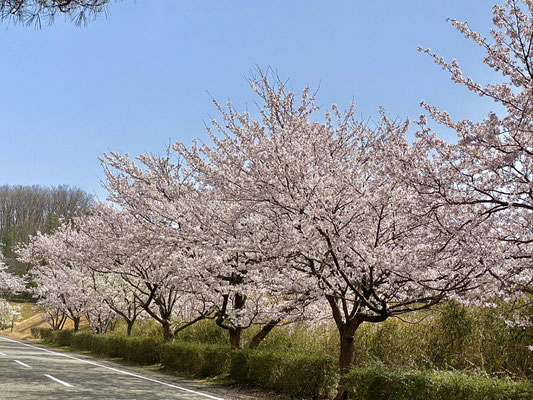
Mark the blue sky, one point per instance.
(139, 78)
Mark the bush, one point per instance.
(196, 359)
(139, 350)
(296, 374)
(62, 337)
(450, 337)
(303, 370)
(36, 333)
(103, 345)
(379, 383)
(43, 333)
(82, 341)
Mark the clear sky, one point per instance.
(139, 78)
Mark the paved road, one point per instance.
(29, 371)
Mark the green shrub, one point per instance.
(36, 333)
(62, 337)
(303, 370)
(296, 374)
(454, 338)
(451, 337)
(82, 341)
(139, 350)
(239, 366)
(103, 345)
(46, 334)
(474, 337)
(196, 359)
(380, 383)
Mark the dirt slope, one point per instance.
(22, 329)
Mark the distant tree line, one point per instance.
(26, 210)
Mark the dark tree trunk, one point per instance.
(347, 323)
(130, 327)
(168, 335)
(347, 352)
(57, 320)
(63, 321)
(265, 330)
(235, 338)
(235, 332)
(76, 324)
(346, 360)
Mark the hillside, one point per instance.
(31, 319)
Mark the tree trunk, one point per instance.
(76, 324)
(63, 321)
(235, 338)
(347, 323)
(258, 338)
(346, 359)
(130, 327)
(167, 332)
(347, 352)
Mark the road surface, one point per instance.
(29, 371)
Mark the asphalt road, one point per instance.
(29, 371)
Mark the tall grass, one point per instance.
(452, 337)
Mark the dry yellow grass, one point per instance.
(33, 319)
(22, 329)
(27, 310)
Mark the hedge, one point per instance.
(296, 374)
(303, 376)
(60, 337)
(196, 359)
(138, 350)
(42, 333)
(378, 383)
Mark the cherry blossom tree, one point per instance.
(234, 285)
(98, 312)
(120, 298)
(10, 284)
(90, 248)
(334, 211)
(128, 255)
(61, 287)
(55, 317)
(8, 314)
(487, 175)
